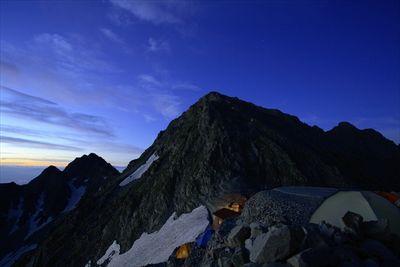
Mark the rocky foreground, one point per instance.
(239, 242)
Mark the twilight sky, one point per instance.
(107, 76)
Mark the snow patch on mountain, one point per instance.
(157, 247)
(14, 215)
(34, 223)
(76, 195)
(140, 171)
(111, 252)
(12, 257)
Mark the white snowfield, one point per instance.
(139, 171)
(14, 215)
(111, 252)
(34, 223)
(76, 195)
(157, 247)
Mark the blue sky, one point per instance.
(107, 76)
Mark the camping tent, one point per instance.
(203, 239)
(183, 251)
(369, 205)
(223, 214)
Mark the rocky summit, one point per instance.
(220, 146)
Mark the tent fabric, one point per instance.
(368, 204)
(203, 239)
(225, 213)
(392, 197)
(183, 252)
(307, 191)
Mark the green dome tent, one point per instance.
(369, 205)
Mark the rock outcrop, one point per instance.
(286, 245)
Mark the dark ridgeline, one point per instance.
(220, 145)
(29, 211)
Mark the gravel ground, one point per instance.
(268, 207)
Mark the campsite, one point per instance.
(345, 227)
(288, 226)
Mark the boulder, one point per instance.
(278, 244)
(394, 244)
(226, 227)
(257, 229)
(195, 257)
(376, 249)
(248, 243)
(239, 257)
(311, 257)
(331, 234)
(298, 259)
(224, 262)
(377, 229)
(271, 206)
(353, 222)
(346, 256)
(327, 230)
(238, 235)
(313, 238)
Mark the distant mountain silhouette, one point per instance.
(27, 210)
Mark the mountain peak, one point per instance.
(89, 166)
(213, 95)
(50, 170)
(86, 159)
(345, 124)
(344, 127)
(93, 155)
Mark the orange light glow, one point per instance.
(32, 162)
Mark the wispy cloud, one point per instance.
(156, 12)
(33, 143)
(112, 36)
(185, 86)
(30, 107)
(157, 45)
(63, 136)
(27, 138)
(162, 96)
(72, 55)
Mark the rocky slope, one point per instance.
(251, 243)
(28, 211)
(220, 145)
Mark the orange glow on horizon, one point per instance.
(24, 162)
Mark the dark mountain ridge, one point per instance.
(219, 145)
(26, 210)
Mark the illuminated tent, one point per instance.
(223, 214)
(183, 251)
(203, 239)
(369, 205)
(392, 197)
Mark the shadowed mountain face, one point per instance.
(220, 145)
(28, 211)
